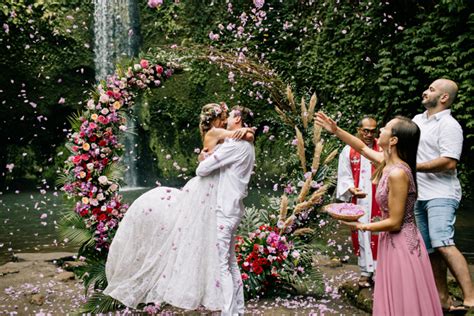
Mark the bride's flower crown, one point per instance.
(211, 112)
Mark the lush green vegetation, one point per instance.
(360, 57)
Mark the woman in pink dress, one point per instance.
(404, 283)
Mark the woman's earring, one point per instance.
(389, 149)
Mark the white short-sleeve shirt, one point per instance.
(441, 136)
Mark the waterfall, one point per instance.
(116, 35)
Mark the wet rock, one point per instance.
(65, 276)
(8, 268)
(325, 261)
(71, 265)
(50, 256)
(454, 289)
(37, 299)
(365, 299)
(335, 263)
(361, 298)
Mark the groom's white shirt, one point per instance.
(235, 160)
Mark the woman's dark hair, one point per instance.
(245, 113)
(408, 134)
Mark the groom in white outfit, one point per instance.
(235, 160)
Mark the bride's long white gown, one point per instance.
(165, 249)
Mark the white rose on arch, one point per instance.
(103, 180)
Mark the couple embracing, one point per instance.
(178, 246)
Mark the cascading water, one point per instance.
(116, 33)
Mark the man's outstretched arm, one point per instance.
(224, 155)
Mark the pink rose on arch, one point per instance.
(76, 159)
(144, 63)
(154, 3)
(117, 95)
(258, 3)
(90, 104)
(213, 36)
(159, 69)
(10, 166)
(104, 98)
(102, 119)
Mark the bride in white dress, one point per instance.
(165, 249)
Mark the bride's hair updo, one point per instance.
(209, 113)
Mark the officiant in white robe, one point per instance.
(354, 185)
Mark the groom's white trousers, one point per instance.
(231, 280)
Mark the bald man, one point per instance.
(439, 190)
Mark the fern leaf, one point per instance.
(100, 303)
(72, 227)
(75, 121)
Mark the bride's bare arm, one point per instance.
(244, 133)
(216, 135)
(330, 125)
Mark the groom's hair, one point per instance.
(245, 114)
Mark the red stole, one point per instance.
(354, 158)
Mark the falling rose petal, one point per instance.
(61, 100)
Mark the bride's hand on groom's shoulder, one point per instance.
(239, 133)
(203, 154)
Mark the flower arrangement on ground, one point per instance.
(263, 257)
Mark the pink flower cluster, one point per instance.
(96, 145)
(263, 256)
(345, 208)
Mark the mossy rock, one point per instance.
(454, 289)
(361, 298)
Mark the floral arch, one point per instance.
(93, 173)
